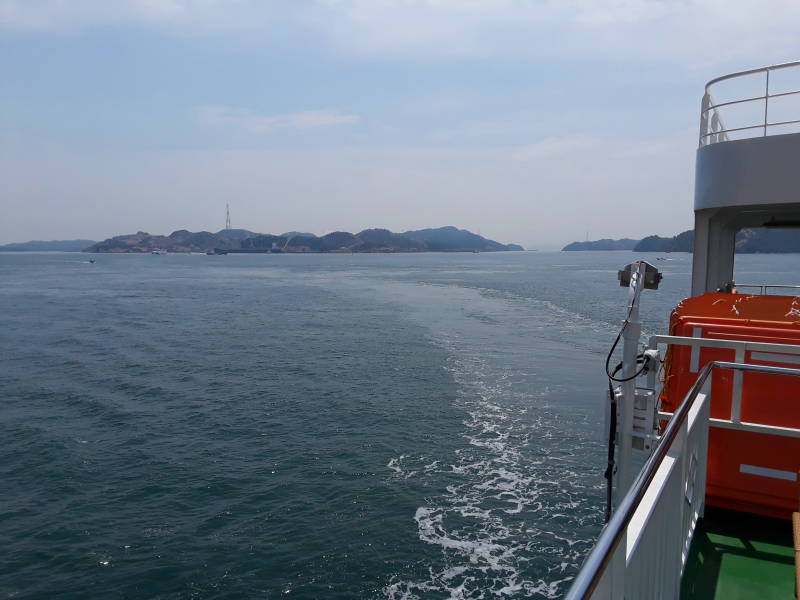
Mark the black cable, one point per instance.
(614, 347)
(612, 434)
(645, 363)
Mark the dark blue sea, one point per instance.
(309, 426)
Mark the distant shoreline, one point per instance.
(48, 246)
(748, 241)
(243, 241)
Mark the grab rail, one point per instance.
(764, 287)
(740, 349)
(712, 128)
(595, 565)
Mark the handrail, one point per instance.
(776, 67)
(753, 99)
(765, 286)
(744, 345)
(760, 126)
(595, 564)
(712, 129)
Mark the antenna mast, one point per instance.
(227, 216)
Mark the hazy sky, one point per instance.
(527, 121)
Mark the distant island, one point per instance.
(604, 244)
(748, 241)
(241, 241)
(52, 246)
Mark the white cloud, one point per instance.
(69, 14)
(252, 122)
(699, 32)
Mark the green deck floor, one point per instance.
(736, 556)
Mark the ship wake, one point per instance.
(505, 524)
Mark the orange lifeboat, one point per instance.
(749, 471)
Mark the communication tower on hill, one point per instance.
(227, 216)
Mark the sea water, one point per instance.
(310, 426)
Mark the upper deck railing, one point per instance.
(712, 125)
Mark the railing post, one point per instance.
(702, 458)
(736, 392)
(682, 453)
(766, 104)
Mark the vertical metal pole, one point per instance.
(702, 448)
(630, 339)
(681, 448)
(766, 104)
(736, 394)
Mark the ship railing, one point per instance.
(744, 353)
(643, 548)
(712, 127)
(764, 288)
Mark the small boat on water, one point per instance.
(159, 251)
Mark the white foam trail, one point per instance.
(397, 466)
(503, 525)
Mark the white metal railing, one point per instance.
(764, 288)
(712, 128)
(642, 550)
(787, 354)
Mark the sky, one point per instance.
(537, 122)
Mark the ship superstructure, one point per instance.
(713, 407)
